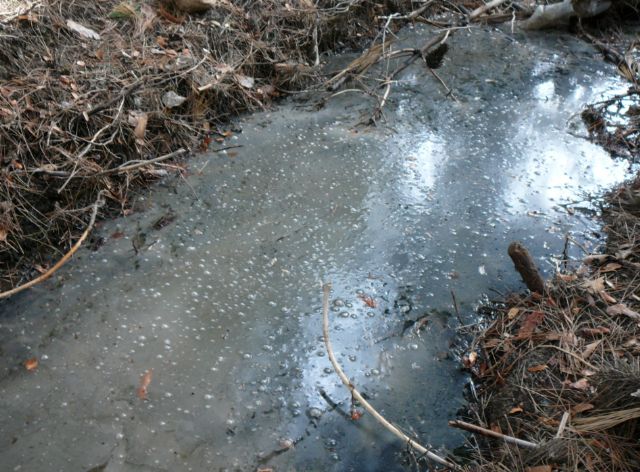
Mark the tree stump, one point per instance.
(526, 267)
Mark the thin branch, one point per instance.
(365, 404)
(494, 434)
(485, 8)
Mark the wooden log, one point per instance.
(526, 267)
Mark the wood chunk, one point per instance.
(526, 267)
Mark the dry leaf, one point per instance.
(610, 267)
(622, 309)
(568, 339)
(469, 360)
(567, 277)
(145, 380)
(172, 99)
(590, 349)
(245, 81)
(539, 468)
(31, 364)
(594, 331)
(82, 30)
(513, 312)
(537, 368)
(141, 127)
(515, 409)
(631, 342)
(369, 301)
(607, 298)
(581, 384)
(580, 407)
(595, 258)
(529, 324)
(594, 286)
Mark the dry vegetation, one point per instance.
(563, 370)
(90, 92)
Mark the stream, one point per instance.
(214, 282)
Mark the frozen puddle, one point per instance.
(224, 302)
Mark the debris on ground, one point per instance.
(561, 370)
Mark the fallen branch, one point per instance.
(99, 202)
(354, 392)
(494, 434)
(549, 16)
(135, 164)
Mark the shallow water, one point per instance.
(224, 302)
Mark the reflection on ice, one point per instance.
(223, 304)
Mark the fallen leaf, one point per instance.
(568, 339)
(515, 409)
(82, 30)
(631, 342)
(608, 298)
(31, 364)
(539, 468)
(245, 81)
(369, 301)
(145, 380)
(495, 427)
(610, 267)
(529, 324)
(595, 258)
(469, 360)
(513, 312)
(204, 144)
(172, 99)
(590, 349)
(594, 286)
(537, 368)
(141, 127)
(581, 384)
(117, 235)
(567, 277)
(594, 331)
(622, 309)
(580, 407)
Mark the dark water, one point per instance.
(224, 303)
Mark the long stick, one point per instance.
(345, 380)
(99, 202)
(487, 432)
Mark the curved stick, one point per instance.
(99, 202)
(354, 392)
